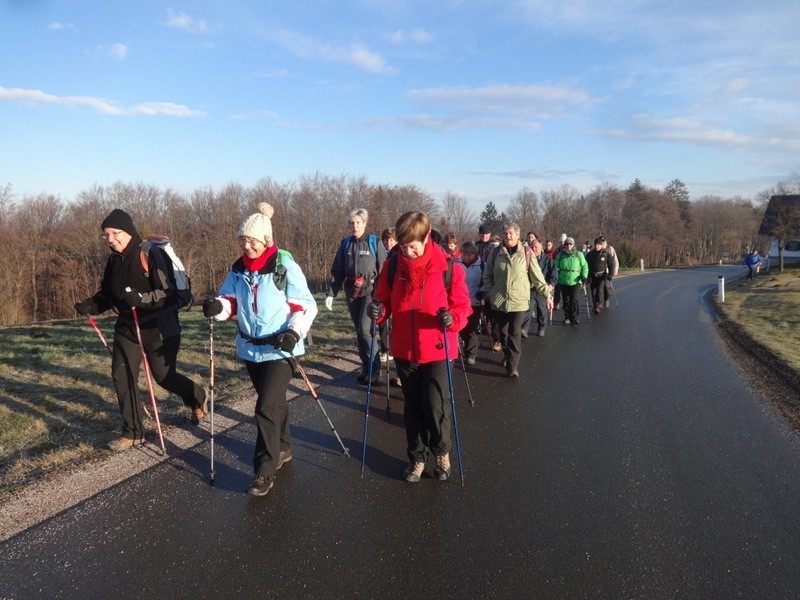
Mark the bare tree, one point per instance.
(456, 215)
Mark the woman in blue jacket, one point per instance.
(268, 293)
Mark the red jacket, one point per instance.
(416, 333)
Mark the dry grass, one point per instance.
(57, 403)
(768, 309)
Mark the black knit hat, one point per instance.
(119, 219)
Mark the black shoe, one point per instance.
(395, 381)
(575, 321)
(284, 457)
(566, 321)
(362, 376)
(260, 485)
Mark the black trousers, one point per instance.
(569, 297)
(426, 408)
(600, 291)
(469, 335)
(270, 380)
(363, 326)
(510, 325)
(126, 362)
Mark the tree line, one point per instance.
(52, 255)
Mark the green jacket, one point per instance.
(571, 266)
(508, 279)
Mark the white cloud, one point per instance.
(416, 36)
(353, 54)
(681, 130)
(184, 22)
(545, 101)
(56, 26)
(100, 105)
(115, 51)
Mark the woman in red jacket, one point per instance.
(414, 292)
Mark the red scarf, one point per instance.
(416, 268)
(256, 264)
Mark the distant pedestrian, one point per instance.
(423, 308)
(572, 273)
(613, 268)
(355, 269)
(268, 294)
(538, 304)
(144, 282)
(473, 268)
(451, 245)
(752, 261)
(597, 261)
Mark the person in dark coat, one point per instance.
(538, 301)
(133, 280)
(597, 259)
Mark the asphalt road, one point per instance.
(630, 460)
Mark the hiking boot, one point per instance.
(200, 411)
(513, 374)
(414, 472)
(575, 321)
(497, 346)
(284, 457)
(567, 321)
(395, 381)
(260, 485)
(540, 333)
(597, 309)
(471, 360)
(442, 470)
(122, 443)
(605, 304)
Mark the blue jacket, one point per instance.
(751, 260)
(263, 310)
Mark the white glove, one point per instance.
(329, 302)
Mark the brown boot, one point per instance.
(414, 472)
(122, 443)
(199, 412)
(442, 470)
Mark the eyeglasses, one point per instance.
(568, 244)
(110, 234)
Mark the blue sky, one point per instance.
(482, 98)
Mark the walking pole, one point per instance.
(149, 382)
(452, 399)
(611, 283)
(369, 393)
(93, 323)
(311, 389)
(388, 367)
(464, 368)
(211, 390)
(586, 297)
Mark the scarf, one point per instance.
(416, 269)
(256, 264)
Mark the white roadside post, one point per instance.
(721, 288)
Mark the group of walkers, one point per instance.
(422, 296)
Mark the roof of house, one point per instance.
(775, 204)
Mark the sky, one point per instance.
(482, 98)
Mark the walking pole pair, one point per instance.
(149, 380)
(94, 325)
(311, 389)
(452, 398)
(369, 394)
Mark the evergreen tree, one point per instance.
(491, 219)
(679, 193)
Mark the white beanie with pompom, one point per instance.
(258, 226)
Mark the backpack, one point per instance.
(175, 270)
(391, 264)
(372, 240)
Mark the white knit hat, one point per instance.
(258, 226)
(563, 237)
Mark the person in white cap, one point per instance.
(267, 292)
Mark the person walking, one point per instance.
(268, 294)
(355, 268)
(507, 280)
(423, 305)
(597, 261)
(572, 273)
(145, 282)
(538, 301)
(613, 268)
(752, 261)
(473, 269)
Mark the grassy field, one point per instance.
(768, 309)
(57, 402)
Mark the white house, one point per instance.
(791, 251)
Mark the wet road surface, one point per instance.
(630, 460)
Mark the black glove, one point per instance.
(375, 310)
(288, 340)
(609, 276)
(581, 280)
(86, 307)
(445, 317)
(480, 296)
(132, 297)
(212, 307)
